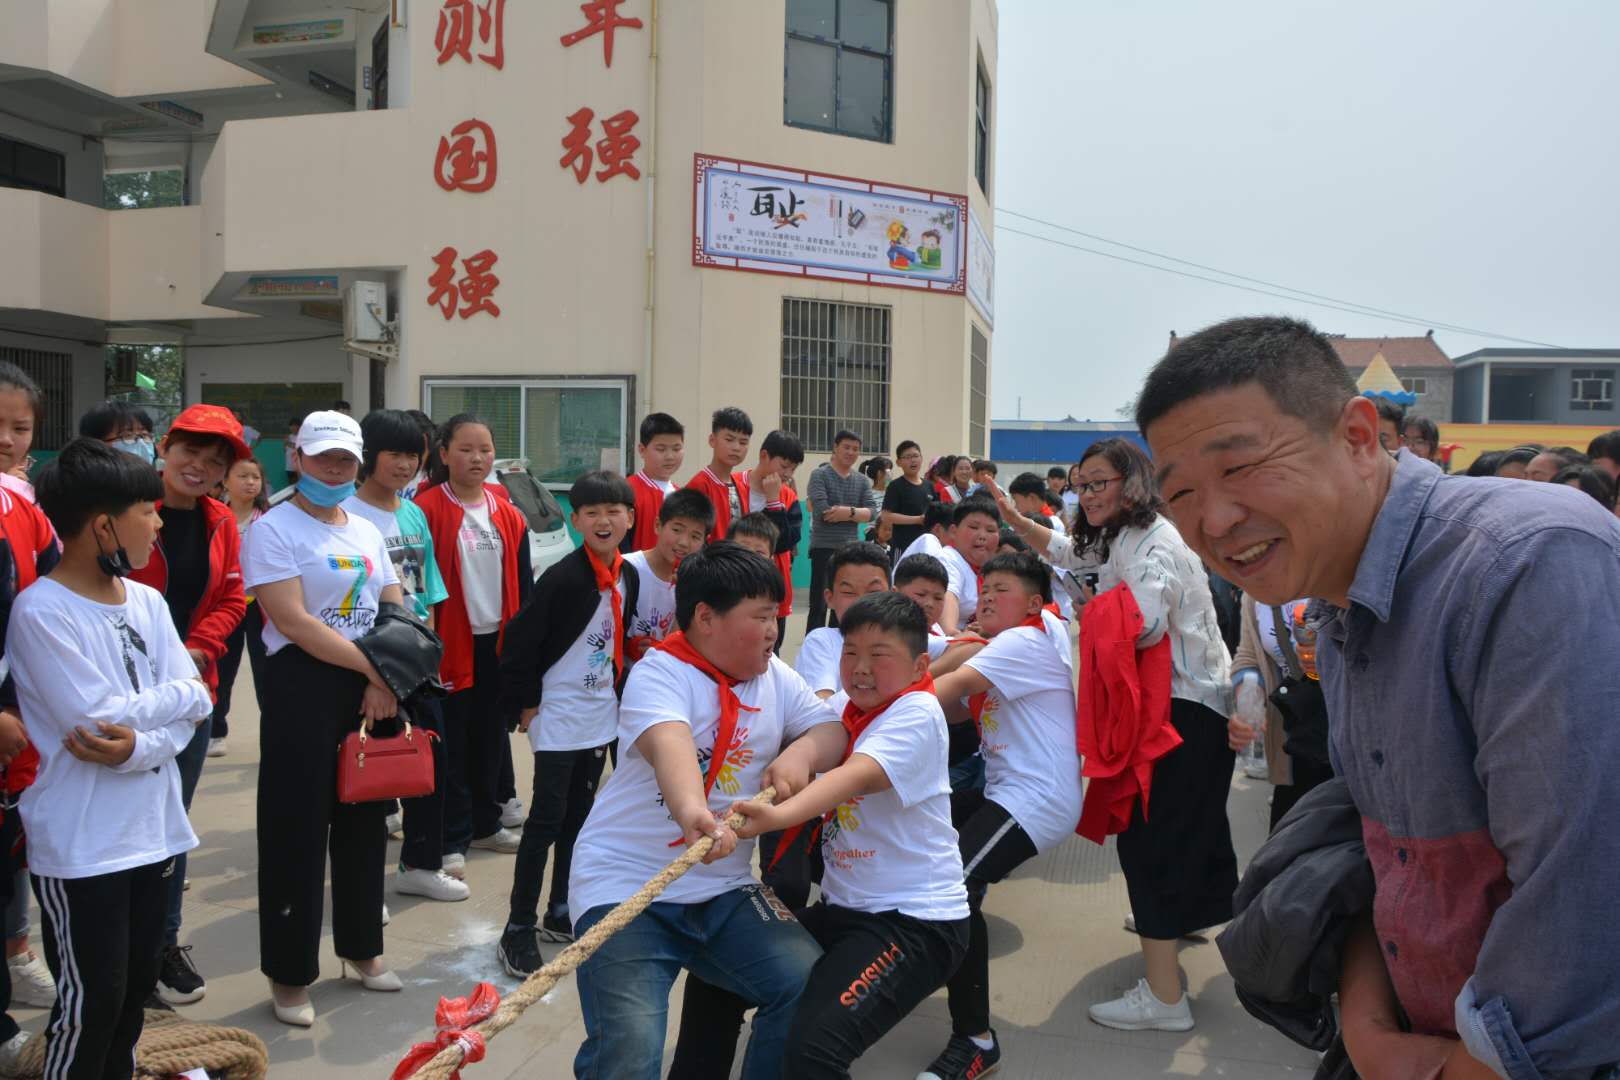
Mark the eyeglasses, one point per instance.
(1097, 487)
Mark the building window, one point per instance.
(1592, 390)
(840, 64)
(32, 168)
(143, 189)
(835, 372)
(563, 427)
(978, 393)
(981, 132)
(52, 372)
(1418, 386)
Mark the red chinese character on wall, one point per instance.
(616, 149)
(467, 158)
(475, 289)
(603, 18)
(461, 20)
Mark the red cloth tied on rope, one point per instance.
(451, 1017)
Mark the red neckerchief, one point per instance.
(607, 577)
(976, 701)
(730, 707)
(855, 724)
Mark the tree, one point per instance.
(144, 190)
(165, 367)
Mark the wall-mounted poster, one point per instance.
(776, 220)
(981, 271)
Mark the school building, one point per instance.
(558, 215)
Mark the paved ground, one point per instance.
(1056, 940)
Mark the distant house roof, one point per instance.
(1401, 353)
(1536, 356)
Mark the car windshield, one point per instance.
(538, 506)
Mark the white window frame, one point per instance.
(1579, 378)
(623, 384)
(1417, 385)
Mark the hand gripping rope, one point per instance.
(453, 1047)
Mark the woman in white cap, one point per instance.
(319, 575)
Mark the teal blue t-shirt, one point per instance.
(410, 546)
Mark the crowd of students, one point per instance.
(926, 741)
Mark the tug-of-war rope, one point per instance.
(457, 1045)
(171, 1044)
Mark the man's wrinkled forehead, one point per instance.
(1239, 440)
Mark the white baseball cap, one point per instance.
(323, 431)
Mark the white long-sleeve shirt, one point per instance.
(1171, 588)
(77, 662)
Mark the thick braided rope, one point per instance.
(445, 1063)
(170, 1044)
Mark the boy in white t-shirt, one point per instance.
(684, 520)
(1021, 687)
(703, 714)
(853, 571)
(110, 696)
(563, 664)
(974, 536)
(893, 917)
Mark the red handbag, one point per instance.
(372, 768)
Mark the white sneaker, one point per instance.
(433, 884)
(31, 982)
(216, 747)
(386, 916)
(394, 825)
(11, 1053)
(455, 866)
(512, 814)
(1139, 1010)
(504, 841)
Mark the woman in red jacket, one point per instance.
(196, 566)
(482, 546)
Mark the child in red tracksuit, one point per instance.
(481, 543)
(662, 447)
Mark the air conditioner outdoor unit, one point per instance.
(365, 312)
(121, 376)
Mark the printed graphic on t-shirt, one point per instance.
(839, 847)
(652, 625)
(348, 613)
(130, 642)
(737, 510)
(475, 537)
(406, 553)
(990, 723)
(599, 664)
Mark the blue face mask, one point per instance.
(136, 447)
(321, 493)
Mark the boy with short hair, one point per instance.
(684, 519)
(936, 527)
(893, 917)
(852, 571)
(111, 696)
(703, 715)
(1028, 493)
(1020, 693)
(729, 435)
(984, 476)
(973, 538)
(563, 663)
(768, 488)
(757, 533)
(924, 579)
(662, 446)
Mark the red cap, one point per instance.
(215, 420)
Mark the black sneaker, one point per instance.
(963, 1060)
(178, 980)
(519, 951)
(557, 928)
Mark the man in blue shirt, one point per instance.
(1467, 630)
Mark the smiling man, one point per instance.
(1478, 745)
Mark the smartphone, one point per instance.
(1091, 580)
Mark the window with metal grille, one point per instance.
(835, 372)
(1418, 386)
(981, 132)
(563, 427)
(32, 167)
(838, 75)
(1592, 390)
(978, 393)
(52, 372)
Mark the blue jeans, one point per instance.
(190, 763)
(743, 941)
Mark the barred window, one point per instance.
(978, 393)
(52, 372)
(835, 371)
(1592, 390)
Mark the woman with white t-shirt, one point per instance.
(1180, 869)
(319, 575)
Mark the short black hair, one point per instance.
(1026, 568)
(731, 418)
(723, 575)
(424, 424)
(758, 526)
(1606, 445)
(689, 505)
(783, 444)
(976, 504)
(599, 487)
(1426, 429)
(844, 435)
(937, 514)
(88, 478)
(1568, 457)
(858, 553)
(984, 465)
(1389, 411)
(889, 612)
(924, 567)
(1595, 483)
(106, 420)
(1053, 499)
(1291, 360)
(1519, 455)
(1027, 483)
(908, 444)
(15, 378)
(1485, 464)
(659, 423)
(1016, 542)
(340, 405)
(1057, 472)
(388, 430)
